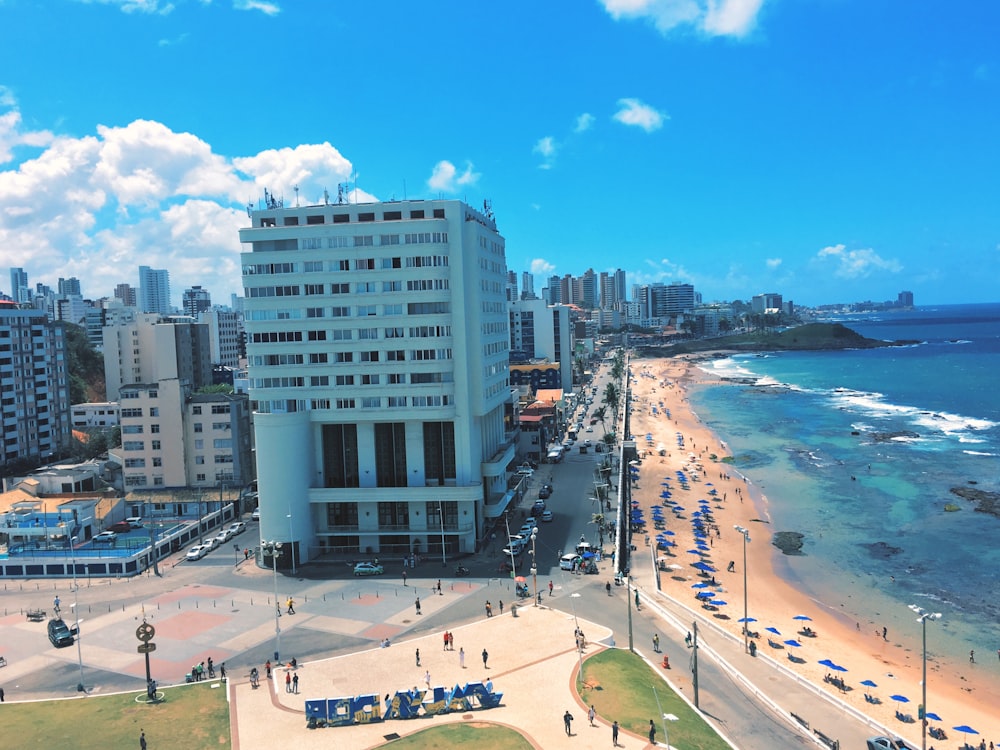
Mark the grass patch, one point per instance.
(195, 717)
(619, 685)
(480, 734)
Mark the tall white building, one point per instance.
(225, 330)
(377, 347)
(154, 290)
(541, 331)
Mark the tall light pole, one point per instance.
(923, 617)
(76, 614)
(291, 544)
(534, 563)
(274, 549)
(746, 623)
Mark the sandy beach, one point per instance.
(960, 693)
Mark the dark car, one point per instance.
(122, 527)
(59, 634)
(544, 492)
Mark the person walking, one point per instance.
(440, 592)
(551, 587)
(607, 587)
(972, 657)
(418, 657)
(652, 732)
(267, 669)
(451, 641)
(222, 671)
(142, 739)
(288, 682)
(637, 604)
(501, 606)
(404, 577)
(445, 640)
(485, 657)
(567, 722)
(254, 678)
(614, 734)
(427, 678)
(295, 684)
(290, 606)
(417, 603)
(461, 657)
(211, 668)
(590, 715)
(656, 643)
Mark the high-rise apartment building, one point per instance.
(34, 385)
(195, 300)
(150, 348)
(527, 286)
(154, 290)
(540, 331)
(126, 294)
(19, 289)
(377, 345)
(225, 336)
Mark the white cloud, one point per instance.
(636, 113)
(97, 206)
(710, 17)
(270, 9)
(773, 262)
(584, 122)
(547, 148)
(445, 178)
(856, 264)
(540, 266)
(135, 6)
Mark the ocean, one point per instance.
(858, 450)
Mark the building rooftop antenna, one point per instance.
(296, 189)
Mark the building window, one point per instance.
(390, 454)
(439, 451)
(340, 455)
(342, 515)
(196, 410)
(394, 516)
(197, 426)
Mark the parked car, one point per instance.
(512, 549)
(546, 515)
(567, 560)
(530, 523)
(210, 544)
(237, 528)
(59, 633)
(255, 516)
(544, 492)
(197, 552)
(134, 521)
(368, 569)
(525, 470)
(105, 537)
(538, 508)
(590, 429)
(122, 527)
(222, 537)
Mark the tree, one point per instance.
(84, 364)
(600, 413)
(611, 397)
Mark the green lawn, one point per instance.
(481, 735)
(193, 717)
(620, 686)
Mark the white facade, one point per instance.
(377, 347)
(224, 330)
(544, 332)
(154, 290)
(95, 414)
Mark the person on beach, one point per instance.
(567, 721)
(652, 732)
(427, 678)
(591, 714)
(418, 657)
(461, 657)
(614, 734)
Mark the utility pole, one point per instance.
(694, 663)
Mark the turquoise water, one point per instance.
(858, 451)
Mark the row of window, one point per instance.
(288, 406)
(348, 264)
(314, 219)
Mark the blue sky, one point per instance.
(828, 150)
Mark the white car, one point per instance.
(196, 552)
(589, 429)
(106, 537)
(210, 544)
(546, 515)
(567, 560)
(222, 537)
(255, 516)
(237, 528)
(134, 521)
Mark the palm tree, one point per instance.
(611, 397)
(600, 413)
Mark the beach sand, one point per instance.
(960, 693)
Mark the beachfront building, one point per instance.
(34, 385)
(541, 332)
(377, 341)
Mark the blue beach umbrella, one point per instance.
(668, 532)
(747, 619)
(793, 643)
(869, 683)
(773, 630)
(718, 603)
(899, 698)
(933, 716)
(703, 566)
(827, 663)
(802, 617)
(706, 595)
(965, 729)
(838, 668)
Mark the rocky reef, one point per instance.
(986, 502)
(789, 542)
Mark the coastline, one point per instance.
(960, 694)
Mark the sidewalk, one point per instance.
(532, 661)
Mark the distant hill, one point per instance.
(809, 337)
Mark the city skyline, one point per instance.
(738, 146)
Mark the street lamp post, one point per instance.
(76, 614)
(922, 618)
(746, 623)
(534, 563)
(274, 549)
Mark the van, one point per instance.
(566, 561)
(60, 634)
